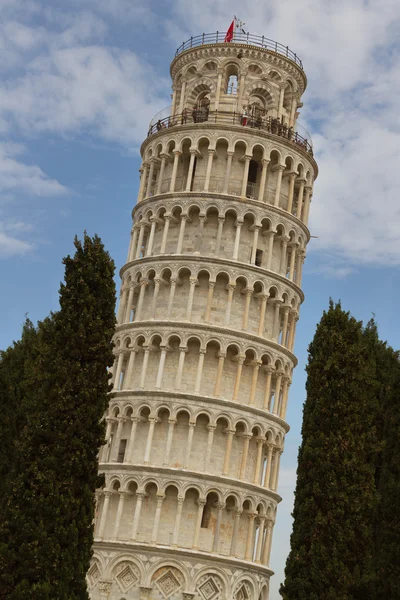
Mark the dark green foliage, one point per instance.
(332, 544)
(46, 535)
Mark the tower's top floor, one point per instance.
(249, 70)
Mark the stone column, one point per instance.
(299, 267)
(181, 234)
(119, 369)
(293, 246)
(282, 406)
(209, 167)
(181, 362)
(221, 360)
(201, 504)
(277, 392)
(270, 249)
(164, 158)
(221, 221)
(143, 284)
(190, 171)
(275, 470)
(285, 399)
(128, 375)
(140, 241)
(286, 310)
(105, 447)
(150, 178)
(261, 193)
(240, 361)
(161, 365)
(167, 218)
(231, 287)
(211, 429)
(199, 371)
(128, 308)
(246, 441)
(189, 443)
(117, 439)
(228, 171)
(276, 323)
(245, 321)
(193, 283)
(218, 90)
(300, 198)
(152, 424)
(283, 264)
(173, 107)
(237, 240)
(103, 518)
(236, 526)
(149, 250)
(144, 367)
(292, 178)
(247, 160)
(172, 423)
(220, 507)
(260, 539)
(178, 517)
(120, 509)
(269, 465)
(211, 286)
(122, 304)
(281, 96)
(281, 168)
(136, 516)
(227, 459)
(157, 283)
(257, 470)
(263, 307)
(132, 246)
(254, 380)
(293, 109)
(250, 536)
(154, 534)
(267, 544)
(307, 202)
(255, 243)
(143, 178)
(131, 443)
(267, 392)
(171, 296)
(177, 154)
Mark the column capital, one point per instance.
(230, 432)
(246, 436)
(193, 281)
(221, 505)
(172, 421)
(181, 500)
(230, 286)
(201, 502)
(177, 152)
(211, 427)
(183, 349)
(252, 516)
(265, 162)
(203, 351)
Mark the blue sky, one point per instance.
(80, 82)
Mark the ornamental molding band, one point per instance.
(204, 346)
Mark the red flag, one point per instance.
(229, 33)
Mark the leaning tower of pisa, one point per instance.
(210, 297)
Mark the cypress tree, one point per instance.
(48, 533)
(332, 542)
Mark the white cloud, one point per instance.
(16, 175)
(10, 245)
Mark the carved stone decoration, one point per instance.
(104, 588)
(210, 587)
(168, 584)
(93, 575)
(126, 578)
(243, 593)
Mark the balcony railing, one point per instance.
(216, 185)
(240, 38)
(268, 124)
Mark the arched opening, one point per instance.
(232, 80)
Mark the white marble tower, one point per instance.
(210, 297)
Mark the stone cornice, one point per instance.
(182, 553)
(194, 398)
(234, 333)
(255, 133)
(216, 261)
(185, 474)
(174, 196)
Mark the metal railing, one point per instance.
(240, 38)
(268, 124)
